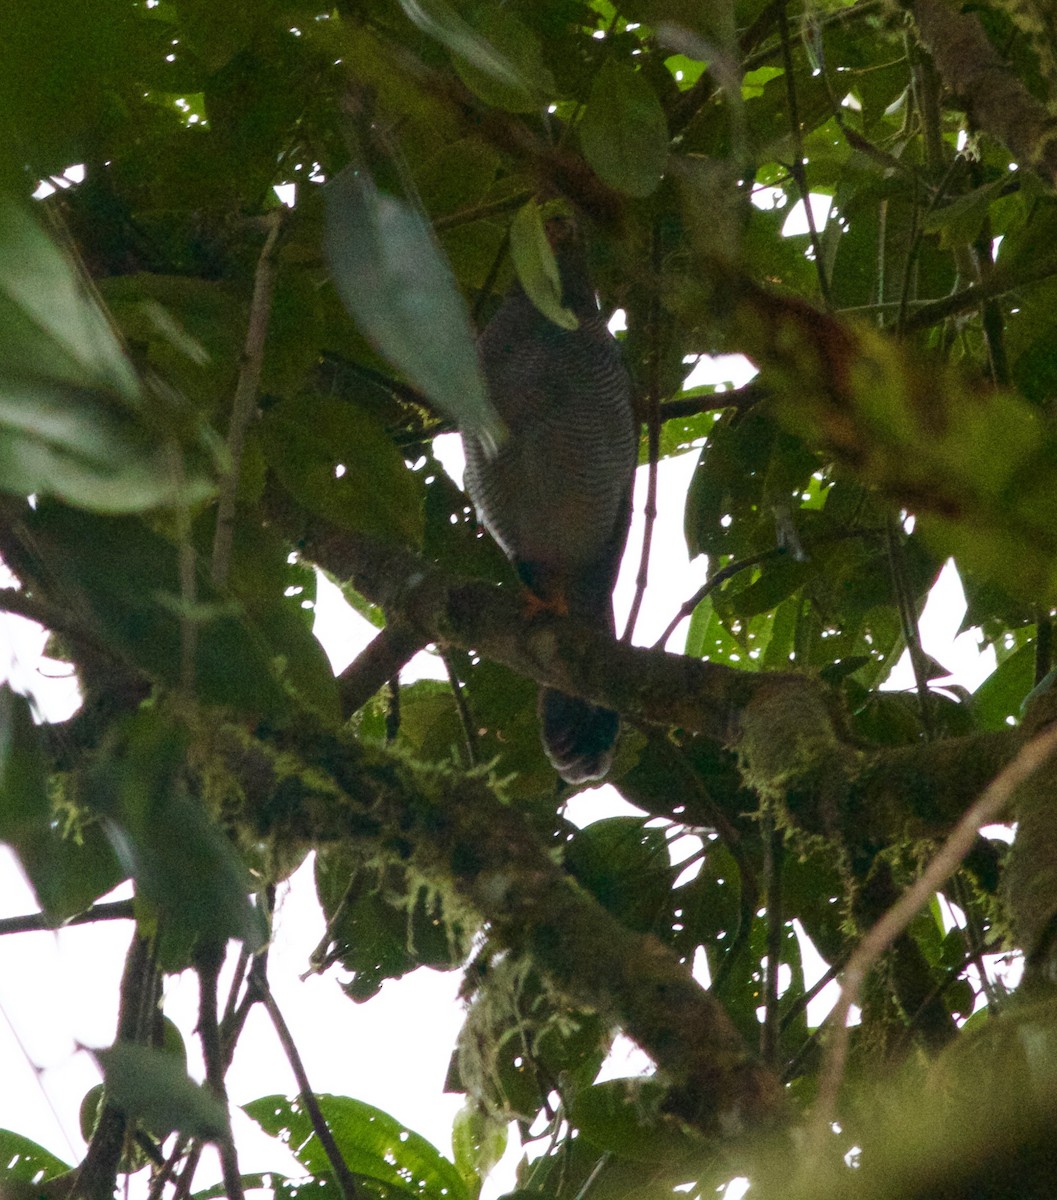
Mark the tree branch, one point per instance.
(989, 807)
(770, 717)
(376, 664)
(347, 1183)
(457, 832)
(245, 396)
(994, 98)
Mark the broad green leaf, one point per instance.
(69, 869)
(1002, 694)
(536, 266)
(627, 868)
(127, 577)
(271, 1181)
(372, 1143)
(185, 868)
(624, 132)
(23, 1160)
(24, 805)
(624, 1117)
(378, 928)
(393, 280)
(41, 295)
(478, 1142)
(495, 60)
(75, 421)
(510, 40)
(154, 1087)
(339, 462)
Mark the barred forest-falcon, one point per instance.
(557, 496)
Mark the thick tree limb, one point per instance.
(460, 834)
(995, 99)
(786, 728)
(376, 664)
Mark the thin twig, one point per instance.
(115, 910)
(653, 434)
(99, 1170)
(909, 620)
(187, 1174)
(245, 396)
(772, 849)
(1000, 282)
(946, 861)
(209, 959)
(346, 1181)
(797, 168)
(709, 586)
(693, 406)
(462, 707)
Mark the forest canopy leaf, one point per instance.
(536, 266)
(497, 61)
(75, 421)
(372, 1143)
(154, 1086)
(624, 132)
(392, 279)
(337, 459)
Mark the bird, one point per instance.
(556, 496)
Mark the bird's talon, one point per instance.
(537, 606)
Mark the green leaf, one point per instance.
(67, 869)
(1002, 693)
(183, 865)
(536, 266)
(497, 60)
(627, 868)
(74, 420)
(624, 1117)
(127, 577)
(527, 83)
(381, 923)
(624, 132)
(25, 1160)
(372, 1143)
(339, 462)
(24, 805)
(478, 1141)
(153, 1086)
(41, 293)
(395, 283)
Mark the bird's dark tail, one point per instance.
(579, 737)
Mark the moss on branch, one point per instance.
(456, 831)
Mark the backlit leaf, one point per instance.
(537, 267)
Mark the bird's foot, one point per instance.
(537, 606)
